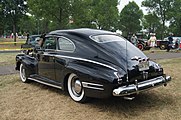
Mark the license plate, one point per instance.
(143, 65)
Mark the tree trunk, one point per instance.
(14, 33)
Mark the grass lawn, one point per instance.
(158, 51)
(10, 46)
(35, 101)
(11, 40)
(5, 43)
(7, 58)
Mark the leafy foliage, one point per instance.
(45, 16)
(175, 18)
(76, 13)
(13, 11)
(105, 14)
(130, 18)
(161, 8)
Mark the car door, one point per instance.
(46, 63)
(65, 47)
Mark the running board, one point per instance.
(45, 83)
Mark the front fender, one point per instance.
(29, 62)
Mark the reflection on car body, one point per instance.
(90, 63)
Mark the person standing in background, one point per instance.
(134, 40)
(152, 40)
(170, 42)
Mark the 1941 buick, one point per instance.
(90, 63)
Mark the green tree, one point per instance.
(1, 20)
(101, 14)
(151, 22)
(105, 13)
(28, 24)
(61, 14)
(81, 14)
(130, 18)
(175, 18)
(57, 11)
(13, 10)
(161, 8)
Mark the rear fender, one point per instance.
(92, 72)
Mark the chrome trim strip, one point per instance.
(91, 61)
(82, 59)
(142, 86)
(45, 83)
(92, 86)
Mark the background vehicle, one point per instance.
(162, 44)
(142, 41)
(143, 44)
(31, 42)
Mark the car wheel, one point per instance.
(140, 46)
(75, 88)
(162, 47)
(23, 74)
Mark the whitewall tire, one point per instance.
(75, 88)
(23, 74)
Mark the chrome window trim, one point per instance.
(69, 41)
(91, 37)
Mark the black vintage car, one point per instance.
(90, 63)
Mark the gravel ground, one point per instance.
(166, 55)
(8, 69)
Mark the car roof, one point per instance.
(80, 31)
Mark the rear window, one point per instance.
(106, 38)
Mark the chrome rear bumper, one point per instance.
(141, 86)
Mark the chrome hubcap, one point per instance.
(77, 87)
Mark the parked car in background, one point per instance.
(143, 44)
(162, 44)
(30, 43)
(91, 63)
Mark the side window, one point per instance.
(66, 44)
(49, 43)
